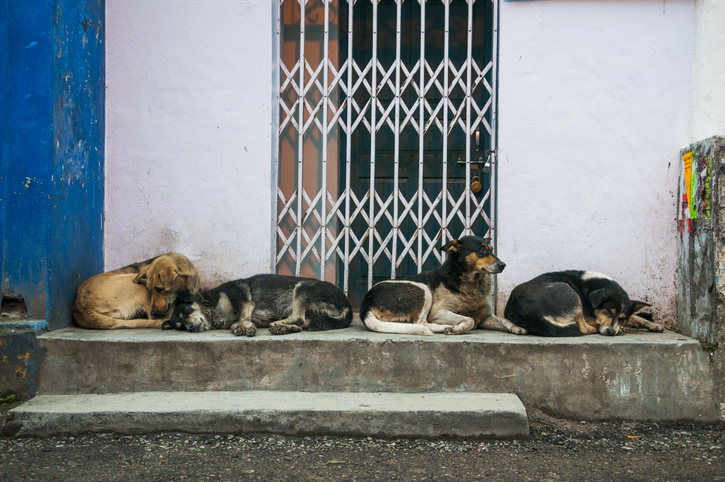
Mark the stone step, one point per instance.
(387, 415)
(637, 376)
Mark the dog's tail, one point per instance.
(324, 320)
(374, 324)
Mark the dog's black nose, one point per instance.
(190, 326)
(609, 331)
(501, 265)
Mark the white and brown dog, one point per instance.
(452, 299)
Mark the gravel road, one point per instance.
(557, 450)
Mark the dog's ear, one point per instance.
(193, 282)
(454, 246)
(141, 277)
(638, 305)
(167, 325)
(185, 297)
(596, 298)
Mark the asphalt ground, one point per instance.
(557, 450)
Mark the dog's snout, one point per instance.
(501, 265)
(190, 326)
(609, 331)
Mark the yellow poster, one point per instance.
(688, 180)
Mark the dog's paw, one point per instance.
(239, 329)
(283, 329)
(517, 330)
(655, 327)
(449, 331)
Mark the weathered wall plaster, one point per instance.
(594, 107)
(708, 75)
(188, 142)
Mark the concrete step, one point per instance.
(387, 415)
(637, 376)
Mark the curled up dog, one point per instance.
(452, 299)
(284, 304)
(140, 295)
(574, 303)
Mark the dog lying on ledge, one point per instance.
(574, 303)
(140, 295)
(284, 304)
(452, 299)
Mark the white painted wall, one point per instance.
(188, 133)
(594, 106)
(708, 76)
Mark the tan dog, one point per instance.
(140, 295)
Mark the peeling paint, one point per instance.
(619, 388)
(587, 368)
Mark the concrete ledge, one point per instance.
(19, 357)
(638, 376)
(388, 415)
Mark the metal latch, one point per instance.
(487, 165)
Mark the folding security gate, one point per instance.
(395, 95)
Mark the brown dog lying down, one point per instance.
(140, 295)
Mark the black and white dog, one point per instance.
(573, 303)
(452, 299)
(284, 304)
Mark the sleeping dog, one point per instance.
(573, 303)
(284, 304)
(452, 299)
(139, 295)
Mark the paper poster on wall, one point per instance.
(689, 178)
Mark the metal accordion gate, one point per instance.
(386, 135)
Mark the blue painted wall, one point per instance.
(52, 108)
(78, 96)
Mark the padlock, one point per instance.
(476, 185)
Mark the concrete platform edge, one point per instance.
(463, 415)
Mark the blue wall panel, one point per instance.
(52, 95)
(76, 229)
(28, 180)
(3, 118)
(53, 134)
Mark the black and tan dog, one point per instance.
(573, 303)
(139, 295)
(284, 304)
(452, 299)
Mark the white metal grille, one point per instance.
(347, 108)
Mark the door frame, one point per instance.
(312, 230)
